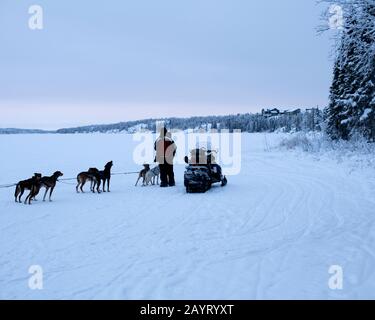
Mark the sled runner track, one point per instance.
(271, 233)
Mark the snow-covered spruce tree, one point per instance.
(366, 94)
(352, 97)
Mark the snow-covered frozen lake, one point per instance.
(272, 233)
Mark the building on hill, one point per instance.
(270, 112)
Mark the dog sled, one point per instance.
(202, 171)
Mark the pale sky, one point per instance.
(117, 60)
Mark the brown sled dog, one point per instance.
(49, 183)
(26, 185)
(91, 175)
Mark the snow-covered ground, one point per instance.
(272, 233)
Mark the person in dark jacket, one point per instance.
(165, 152)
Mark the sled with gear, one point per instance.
(202, 171)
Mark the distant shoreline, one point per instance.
(268, 120)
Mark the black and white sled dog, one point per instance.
(152, 175)
(142, 174)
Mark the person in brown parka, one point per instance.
(165, 152)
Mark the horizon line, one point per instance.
(152, 118)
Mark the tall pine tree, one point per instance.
(352, 97)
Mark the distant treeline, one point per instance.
(310, 120)
(23, 131)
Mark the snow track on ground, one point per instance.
(273, 232)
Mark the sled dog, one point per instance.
(142, 174)
(26, 185)
(152, 175)
(91, 175)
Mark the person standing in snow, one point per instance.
(165, 149)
